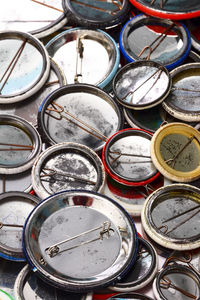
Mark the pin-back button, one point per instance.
(175, 151)
(142, 84)
(67, 166)
(83, 225)
(20, 144)
(183, 99)
(14, 209)
(126, 157)
(176, 10)
(193, 27)
(96, 14)
(79, 113)
(130, 296)
(28, 109)
(143, 270)
(148, 38)
(25, 66)
(176, 281)
(86, 56)
(10, 182)
(40, 18)
(170, 216)
(30, 287)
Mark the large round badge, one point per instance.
(80, 240)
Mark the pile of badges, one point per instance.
(100, 149)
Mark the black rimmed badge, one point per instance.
(80, 240)
(78, 50)
(14, 209)
(28, 286)
(130, 296)
(40, 18)
(25, 66)
(184, 97)
(176, 10)
(170, 216)
(79, 113)
(175, 151)
(67, 166)
(98, 13)
(20, 144)
(28, 109)
(148, 38)
(142, 84)
(142, 272)
(126, 157)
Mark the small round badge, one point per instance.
(148, 38)
(25, 66)
(67, 166)
(170, 216)
(141, 85)
(80, 240)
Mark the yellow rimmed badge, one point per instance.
(175, 152)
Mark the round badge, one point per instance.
(80, 240)
(67, 166)
(126, 157)
(10, 182)
(14, 209)
(193, 27)
(28, 109)
(20, 144)
(96, 14)
(78, 50)
(175, 151)
(176, 10)
(177, 281)
(148, 38)
(141, 85)
(36, 17)
(25, 66)
(143, 270)
(184, 97)
(170, 216)
(129, 296)
(30, 287)
(79, 113)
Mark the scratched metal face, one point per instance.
(141, 36)
(14, 135)
(185, 227)
(28, 110)
(22, 182)
(13, 210)
(132, 168)
(92, 258)
(188, 160)
(185, 94)
(29, 16)
(183, 281)
(74, 171)
(142, 85)
(27, 71)
(98, 60)
(89, 108)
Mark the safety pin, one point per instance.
(161, 37)
(132, 92)
(79, 53)
(127, 154)
(21, 147)
(181, 214)
(10, 225)
(112, 12)
(59, 110)
(105, 229)
(51, 83)
(162, 2)
(12, 64)
(184, 90)
(166, 283)
(49, 6)
(172, 160)
(54, 172)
